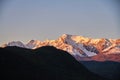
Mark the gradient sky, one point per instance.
(23, 20)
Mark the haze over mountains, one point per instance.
(82, 48)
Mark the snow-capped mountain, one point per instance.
(78, 46)
(14, 43)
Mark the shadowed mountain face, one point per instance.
(108, 69)
(45, 63)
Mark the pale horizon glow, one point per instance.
(24, 20)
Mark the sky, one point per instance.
(24, 20)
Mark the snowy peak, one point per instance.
(14, 43)
(32, 43)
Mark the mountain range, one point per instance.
(81, 48)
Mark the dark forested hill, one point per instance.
(108, 69)
(45, 63)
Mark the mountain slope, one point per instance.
(46, 63)
(108, 69)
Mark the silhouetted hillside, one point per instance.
(45, 63)
(108, 69)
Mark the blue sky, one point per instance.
(23, 20)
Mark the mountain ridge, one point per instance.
(82, 48)
(45, 63)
